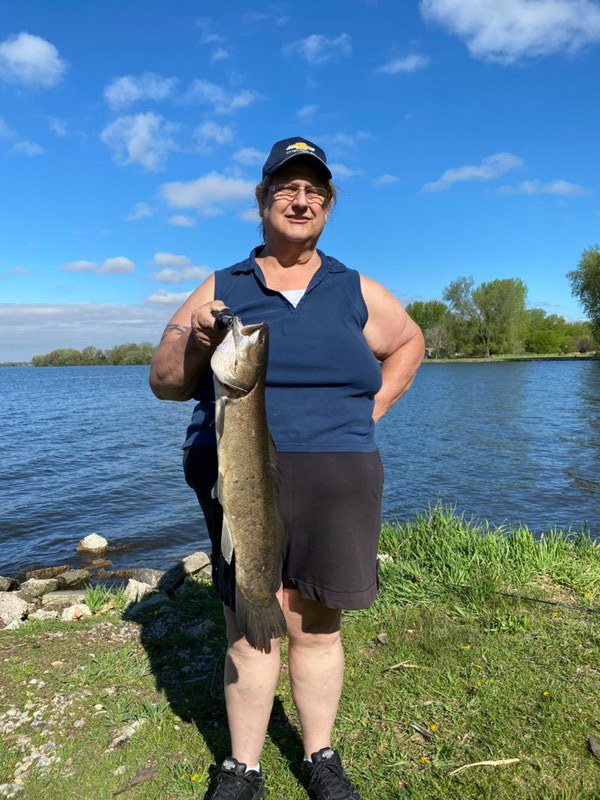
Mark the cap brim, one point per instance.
(313, 156)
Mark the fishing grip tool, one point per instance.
(223, 319)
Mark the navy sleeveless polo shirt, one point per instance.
(321, 376)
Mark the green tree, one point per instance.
(585, 285)
(491, 316)
(433, 319)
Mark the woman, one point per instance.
(342, 352)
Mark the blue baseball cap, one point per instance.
(295, 146)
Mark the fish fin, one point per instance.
(214, 492)
(259, 624)
(226, 540)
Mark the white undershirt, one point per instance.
(293, 295)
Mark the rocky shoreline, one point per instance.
(59, 592)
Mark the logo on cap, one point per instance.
(291, 148)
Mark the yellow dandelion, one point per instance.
(479, 683)
(195, 777)
(424, 760)
(477, 666)
(587, 594)
(555, 613)
(547, 694)
(464, 647)
(491, 680)
(433, 727)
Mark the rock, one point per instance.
(121, 574)
(8, 584)
(384, 558)
(192, 564)
(136, 591)
(100, 563)
(35, 587)
(92, 544)
(151, 577)
(10, 790)
(57, 601)
(195, 562)
(74, 579)
(12, 609)
(45, 573)
(76, 612)
(201, 630)
(42, 614)
(125, 735)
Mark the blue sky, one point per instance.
(463, 136)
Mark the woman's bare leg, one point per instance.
(250, 680)
(316, 665)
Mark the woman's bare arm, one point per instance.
(395, 339)
(187, 344)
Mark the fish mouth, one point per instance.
(230, 390)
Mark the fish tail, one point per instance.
(259, 624)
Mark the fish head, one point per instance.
(240, 361)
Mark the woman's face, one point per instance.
(295, 219)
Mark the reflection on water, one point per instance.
(513, 443)
(90, 450)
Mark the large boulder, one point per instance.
(8, 584)
(151, 577)
(57, 601)
(45, 573)
(12, 610)
(92, 544)
(76, 612)
(74, 579)
(136, 591)
(33, 588)
(191, 565)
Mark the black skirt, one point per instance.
(331, 509)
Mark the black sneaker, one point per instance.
(232, 782)
(326, 779)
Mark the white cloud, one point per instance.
(222, 102)
(307, 113)
(80, 266)
(15, 271)
(220, 54)
(140, 211)
(28, 148)
(116, 266)
(119, 265)
(386, 180)
(176, 269)
(30, 61)
(342, 171)
(142, 138)
(250, 215)
(169, 275)
(508, 30)
(210, 132)
(491, 167)
(410, 63)
(204, 192)
(164, 298)
(556, 187)
(5, 131)
(249, 156)
(30, 328)
(206, 34)
(57, 126)
(181, 221)
(129, 89)
(163, 259)
(319, 49)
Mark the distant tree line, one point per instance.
(491, 319)
(91, 356)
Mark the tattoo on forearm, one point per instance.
(180, 329)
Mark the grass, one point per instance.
(491, 649)
(515, 357)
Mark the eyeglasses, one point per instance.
(288, 191)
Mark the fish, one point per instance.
(246, 486)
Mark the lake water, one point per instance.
(90, 450)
